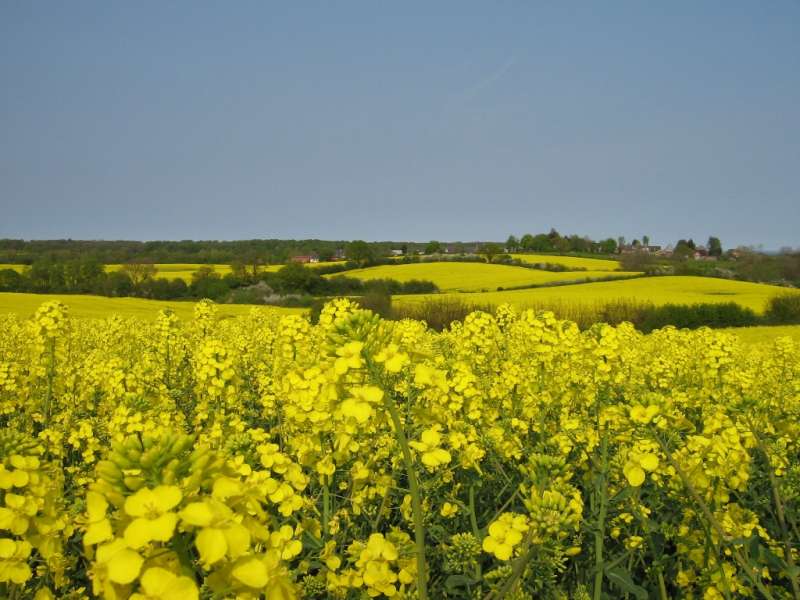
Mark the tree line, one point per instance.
(553, 241)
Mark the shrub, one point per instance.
(439, 314)
(377, 301)
(646, 316)
(692, 316)
(783, 309)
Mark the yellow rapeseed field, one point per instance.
(101, 307)
(17, 268)
(511, 456)
(182, 270)
(179, 270)
(764, 334)
(474, 276)
(658, 290)
(186, 270)
(571, 262)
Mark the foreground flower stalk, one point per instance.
(416, 504)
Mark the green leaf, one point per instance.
(626, 493)
(754, 547)
(773, 560)
(620, 578)
(453, 582)
(658, 544)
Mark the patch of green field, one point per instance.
(658, 290)
(765, 334)
(571, 262)
(474, 277)
(24, 305)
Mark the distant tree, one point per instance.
(207, 283)
(72, 275)
(561, 244)
(293, 278)
(683, 249)
(433, 247)
(239, 269)
(620, 242)
(579, 244)
(117, 283)
(11, 281)
(359, 251)
(326, 255)
(512, 243)
(714, 246)
(542, 243)
(490, 250)
(255, 261)
(636, 261)
(404, 249)
(526, 242)
(139, 272)
(46, 275)
(204, 272)
(608, 246)
(82, 274)
(645, 240)
(166, 289)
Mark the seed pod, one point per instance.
(132, 444)
(149, 457)
(119, 459)
(109, 471)
(134, 483)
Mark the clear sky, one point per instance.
(401, 120)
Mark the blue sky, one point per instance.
(406, 120)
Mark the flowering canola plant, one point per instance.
(510, 456)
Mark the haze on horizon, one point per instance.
(413, 121)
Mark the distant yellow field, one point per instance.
(474, 277)
(17, 268)
(766, 334)
(571, 262)
(183, 270)
(178, 271)
(24, 305)
(658, 290)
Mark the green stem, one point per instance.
(516, 572)
(380, 512)
(416, 504)
(601, 521)
(326, 501)
(475, 531)
(662, 587)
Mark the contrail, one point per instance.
(487, 81)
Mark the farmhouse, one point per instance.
(631, 248)
(308, 258)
